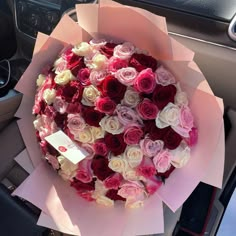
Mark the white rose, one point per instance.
(111, 124)
(164, 77)
(38, 123)
(100, 189)
(134, 155)
(181, 98)
(105, 201)
(64, 77)
(41, 79)
(97, 132)
(68, 169)
(181, 155)
(59, 65)
(84, 136)
(118, 164)
(130, 174)
(82, 49)
(169, 116)
(131, 98)
(130, 203)
(90, 94)
(49, 96)
(99, 62)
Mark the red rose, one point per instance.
(146, 168)
(153, 132)
(113, 195)
(112, 88)
(172, 139)
(141, 62)
(71, 92)
(83, 76)
(113, 181)
(73, 108)
(115, 143)
(108, 49)
(147, 109)
(152, 184)
(91, 116)
(74, 62)
(83, 187)
(60, 120)
(145, 81)
(167, 173)
(100, 148)
(162, 95)
(50, 112)
(100, 167)
(133, 135)
(105, 105)
(42, 106)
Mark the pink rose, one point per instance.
(131, 189)
(193, 137)
(127, 116)
(162, 161)
(164, 77)
(145, 81)
(83, 76)
(105, 105)
(147, 109)
(100, 148)
(84, 171)
(88, 148)
(126, 75)
(114, 64)
(124, 51)
(146, 168)
(96, 77)
(150, 148)
(60, 105)
(75, 123)
(132, 135)
(86, 195)
(113, 181)
(185, 122)
(53, 161)
(152, 184)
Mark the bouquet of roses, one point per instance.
(122, 106)
(118, 119)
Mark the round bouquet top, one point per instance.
(125, 109)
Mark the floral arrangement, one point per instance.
(126, 109)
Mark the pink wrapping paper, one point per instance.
(62, 209)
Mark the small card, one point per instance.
(63, 144)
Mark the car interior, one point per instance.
(206, 27)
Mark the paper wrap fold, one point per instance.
(61, 208)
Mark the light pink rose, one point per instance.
(127, 116)
(152, 184)
(84, 171)
(60, 105)
(164, 77)
(97, 43)
(75, 123)
(53, 161)
(185, 122)
(162, 161)
(96, 77)
(124, 51)
(113, 181)
(115, 64)
(145, 81)
(150, 148)
(146, 168)
(132, 135)
(89, 149)
(126, 75)
(131, 189)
